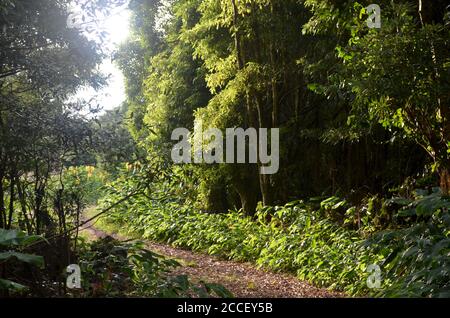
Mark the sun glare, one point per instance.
(116, 28)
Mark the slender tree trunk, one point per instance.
(444, 176)
(23, 205)
(426, 17)
(237, 41)
(37, 199)
(274, 88)
(2, 203)
(266, 189)
(11, 200)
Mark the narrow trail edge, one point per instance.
(244, 280)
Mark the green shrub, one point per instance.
(117, 269)
(301, 239)
(12, 242)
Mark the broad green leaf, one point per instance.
(10, 285)
(27, 258)
(17, 238)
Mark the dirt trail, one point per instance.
(242, 279)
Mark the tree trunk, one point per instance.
(23, 205)
(216, 201)
(444, 176)
(246, 184)
(266, 189)
(2, 203)
(11, 201)
(237, 42)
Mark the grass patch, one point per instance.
(102, 223)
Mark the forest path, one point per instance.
(242, 279)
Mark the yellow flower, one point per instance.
(90, 171)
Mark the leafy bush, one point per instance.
(11, 244)
(417, 258)
(116, 269)
(83, 181)
(301, 238)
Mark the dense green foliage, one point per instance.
(298, 237)
(293, 65)
(362, 128)
(55, 154)
(116, 269)
(364, 121)
(11, 244)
